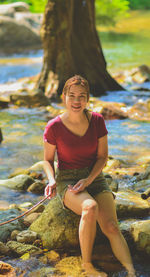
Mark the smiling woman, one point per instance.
(80, 140)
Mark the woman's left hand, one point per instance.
(79, 186)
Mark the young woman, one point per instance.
(80, 139)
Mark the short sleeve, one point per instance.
(101, 126)
(49, 134)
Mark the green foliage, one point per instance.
(139, 4)
(108, 12)
(36, 6)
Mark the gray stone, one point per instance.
(27, 236)
(20, 182)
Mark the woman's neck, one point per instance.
(74, 118)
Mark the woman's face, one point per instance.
(76, 98)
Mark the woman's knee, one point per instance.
(89, 209)
(110, 228)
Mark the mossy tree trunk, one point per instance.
(71, 46)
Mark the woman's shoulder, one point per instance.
(53, 122)
(97, 115)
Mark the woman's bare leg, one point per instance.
(107, 220)
(84, 205)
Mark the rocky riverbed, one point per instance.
(49, 234)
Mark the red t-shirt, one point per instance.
(73, 151)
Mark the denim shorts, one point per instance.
(72, 176)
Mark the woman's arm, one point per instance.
(102, 156)
(49, 154)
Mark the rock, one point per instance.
(7, 10)
(113, 164)
(17, 37)
(26, 236)
(113, 184)
(37, 187)
(7, 270)
(20, 182)
(14, 234)
(4, 250)
(1, 136)
(53, 256)
(140, 111)
(6, 230)
(130, 204)
(141, 74)
(29, 219)
(10, 9)
(58, 228)
(19, 248)
(33, 19)
(36, 169)
(141, 234)
(20, 6)
(141, 185)
(29, 99)
(39, 209)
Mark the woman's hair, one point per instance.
(76, 80)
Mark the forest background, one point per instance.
(107, 11)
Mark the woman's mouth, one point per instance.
(76, 107)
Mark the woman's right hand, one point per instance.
(50, 190)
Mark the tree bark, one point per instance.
(71, 46)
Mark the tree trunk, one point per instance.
(71, 46)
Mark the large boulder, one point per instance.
(17, 36)
(58, 227)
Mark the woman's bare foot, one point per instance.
(91, 271)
